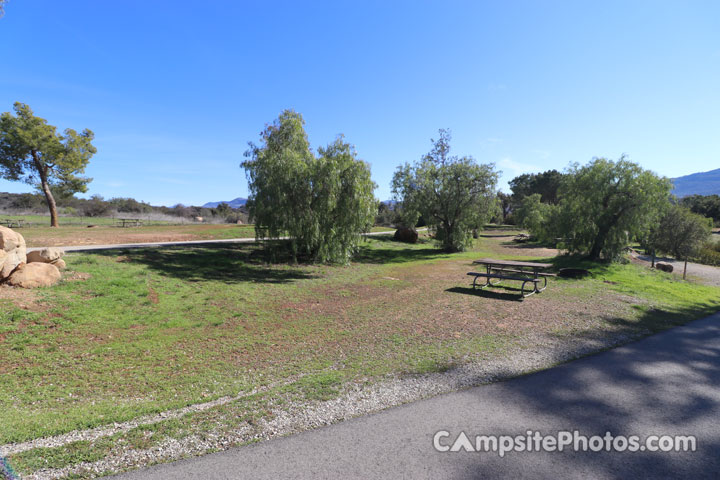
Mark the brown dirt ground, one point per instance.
(107, 235)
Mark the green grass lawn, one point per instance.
(135, 332)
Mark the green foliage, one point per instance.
(546, 184)
(96, 206)
(454, 195)
(681, 233)
(222, 210)
(709, 254)
(129, 205)
(605, 204)
(535, 216)
(33, 152)
(387, 215)
(705, 205)
(323, 203)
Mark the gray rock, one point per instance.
(664, 266)
(406, 234)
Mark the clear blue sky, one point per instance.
(174, 90)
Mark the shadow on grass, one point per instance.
(493, 294)
(382, 249)
(492, 226)
(578, 261)
(526, 245)
(248, 262)
(225, 263)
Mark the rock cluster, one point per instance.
(39, 268)
(12, 251)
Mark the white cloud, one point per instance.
(510, 166)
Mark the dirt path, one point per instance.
(706, 273)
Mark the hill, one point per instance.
(702, 183)
(236, 203)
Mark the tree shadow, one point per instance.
(526, 245)
(664, 384)
(492, 226)
(578, 261)
(229, 263)
(393, 251)
(484, 293)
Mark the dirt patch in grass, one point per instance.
(106, 235)
(22, 298)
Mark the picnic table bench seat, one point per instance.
(524, 280)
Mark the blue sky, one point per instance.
(174, 90)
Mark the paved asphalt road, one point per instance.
(665, 384)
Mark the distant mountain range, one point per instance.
(703, 183)
(236, 203)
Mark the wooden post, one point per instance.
(685, 269)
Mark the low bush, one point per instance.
(709, 254)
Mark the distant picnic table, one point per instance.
(129, 222)
(525, 272)
(11, 223)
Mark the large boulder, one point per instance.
(59, 263)
(406, 234)
(14, 251)
(664, 266)
(33, 275)
(46, 255)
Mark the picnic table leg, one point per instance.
(538, 289)
(522, 289)
(489, 271)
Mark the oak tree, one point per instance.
(34, 152)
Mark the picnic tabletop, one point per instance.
(513, 263)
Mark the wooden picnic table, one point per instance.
(129, 222)
(525, 272)
(10, 223)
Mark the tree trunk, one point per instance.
(51, 204)
(598, 244)
(653, 259)
(42, 170)
(685, 269)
